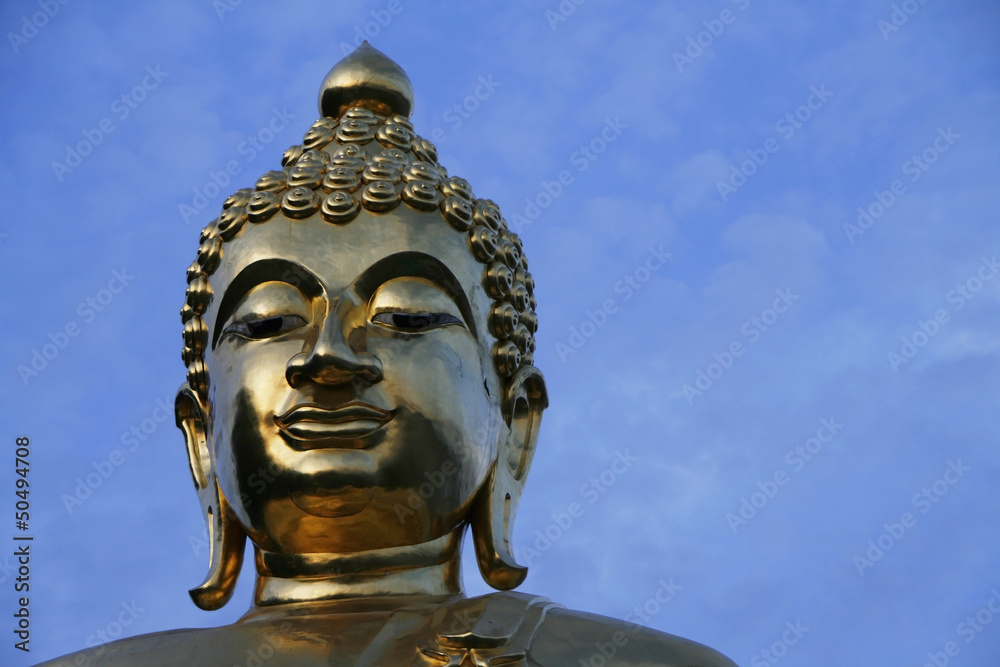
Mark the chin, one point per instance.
(333, 504)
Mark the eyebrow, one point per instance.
(257, 273)
(399, 265)
(413, 264)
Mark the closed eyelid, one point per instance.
(251, 316)
(264, 327)
(418, 266)
(281, 271)
(268, 300)
(416, 322)
(414, 296)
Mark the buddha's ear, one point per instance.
(496, 506)
(523, 404)
(192, 419)
(226, 537)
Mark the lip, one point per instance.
(315, 426)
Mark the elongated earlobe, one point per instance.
(491, 526)
(226, 539)
(226, 536)
(496, 506)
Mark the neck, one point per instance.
(428, 569)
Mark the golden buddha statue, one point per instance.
(358, 335)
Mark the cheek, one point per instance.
(246, 387)
(258, 368)
(441, 374)
(444, 381)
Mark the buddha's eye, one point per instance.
(413, 305)
(414, 322)
(265, 327)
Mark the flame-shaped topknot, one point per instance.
(366, 78)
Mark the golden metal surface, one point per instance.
(358, 334)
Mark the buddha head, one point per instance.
(358, 336)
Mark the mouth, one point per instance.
(315, 427)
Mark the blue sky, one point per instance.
(813, 367)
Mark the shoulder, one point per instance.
(512, 626)
(567, 637)
(500, 628)
(192, 647)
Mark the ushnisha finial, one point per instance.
(366, 78)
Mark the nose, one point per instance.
(334, 358)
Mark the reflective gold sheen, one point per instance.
(358, 334)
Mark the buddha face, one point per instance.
(354, 402)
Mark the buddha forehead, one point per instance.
(335, 257)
